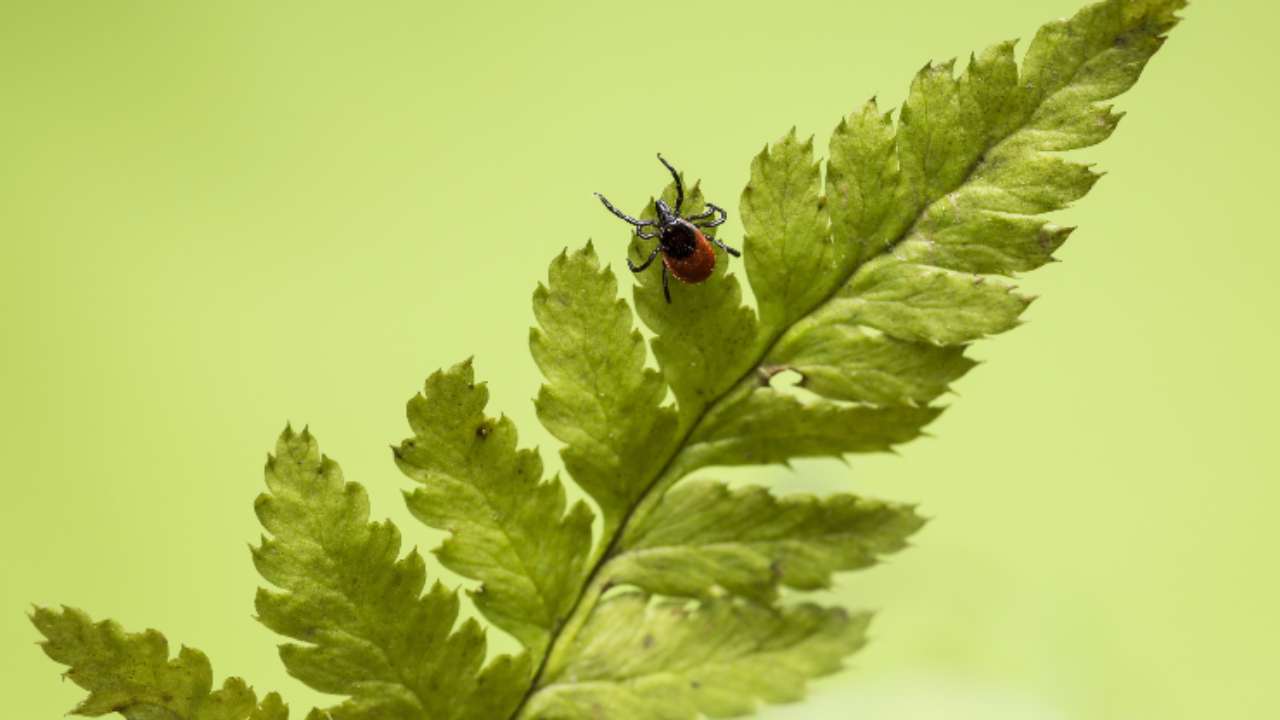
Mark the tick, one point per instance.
(686, 251)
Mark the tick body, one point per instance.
(687, 253)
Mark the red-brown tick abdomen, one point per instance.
(696, 266)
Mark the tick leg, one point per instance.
(679, 184)
(646, 235)
(711, 210)
(732, 251)
(624, 216)
(666, 284)
(648, 261)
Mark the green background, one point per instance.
(216, 217)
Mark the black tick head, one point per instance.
(665, 214)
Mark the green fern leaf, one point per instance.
(367, 629)
(861, 365)
(769, 426)
(132, 674)
(663, 661)
(862, 183)
(705, 537)
(509, 529)
(599, 398)
(788, 249)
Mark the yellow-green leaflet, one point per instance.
(132, 674)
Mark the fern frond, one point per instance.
(872, 271)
